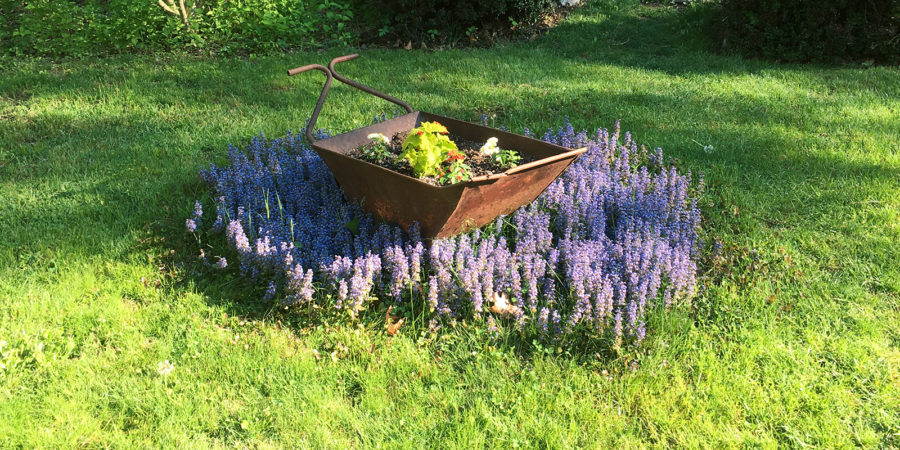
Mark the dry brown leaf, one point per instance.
(393, 325)
(502, 307)
(393, 328)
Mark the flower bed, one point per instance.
(615, 234)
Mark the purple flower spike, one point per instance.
(615, 235)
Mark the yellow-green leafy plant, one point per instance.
(426, 147)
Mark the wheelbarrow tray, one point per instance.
(440, 211)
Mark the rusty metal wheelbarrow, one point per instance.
(441, 211)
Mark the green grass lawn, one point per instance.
(792, 340)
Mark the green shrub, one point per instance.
(448, 21)
(51, 27)
(80, 27)
(820, 30)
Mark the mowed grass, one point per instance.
(792, 340)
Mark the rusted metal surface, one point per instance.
(318, 108)
(441, 211)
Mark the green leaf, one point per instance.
(353, 226)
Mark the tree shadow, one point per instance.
(643, 69)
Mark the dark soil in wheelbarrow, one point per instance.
(479, 163)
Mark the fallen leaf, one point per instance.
(393, 325)
(771, 299)
(502, 307)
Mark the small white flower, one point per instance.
(165, 368)
(707, 148)
(490, 147)
(379, 137)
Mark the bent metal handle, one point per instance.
(361, 86)
(315, 115)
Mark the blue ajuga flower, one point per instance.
(613, 235)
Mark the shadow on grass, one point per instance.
(157, 122)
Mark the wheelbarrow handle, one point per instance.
(302, 69)
(361, 86)
(341, 59)
(311, 125)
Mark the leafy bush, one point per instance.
(826, 30)
(46, 27)
(80, 27)
(613, 238)
(449, 21)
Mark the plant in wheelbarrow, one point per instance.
(444, 174)
(429, 153)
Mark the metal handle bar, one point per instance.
(361, 86)
(315, 115)
(329, 73)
